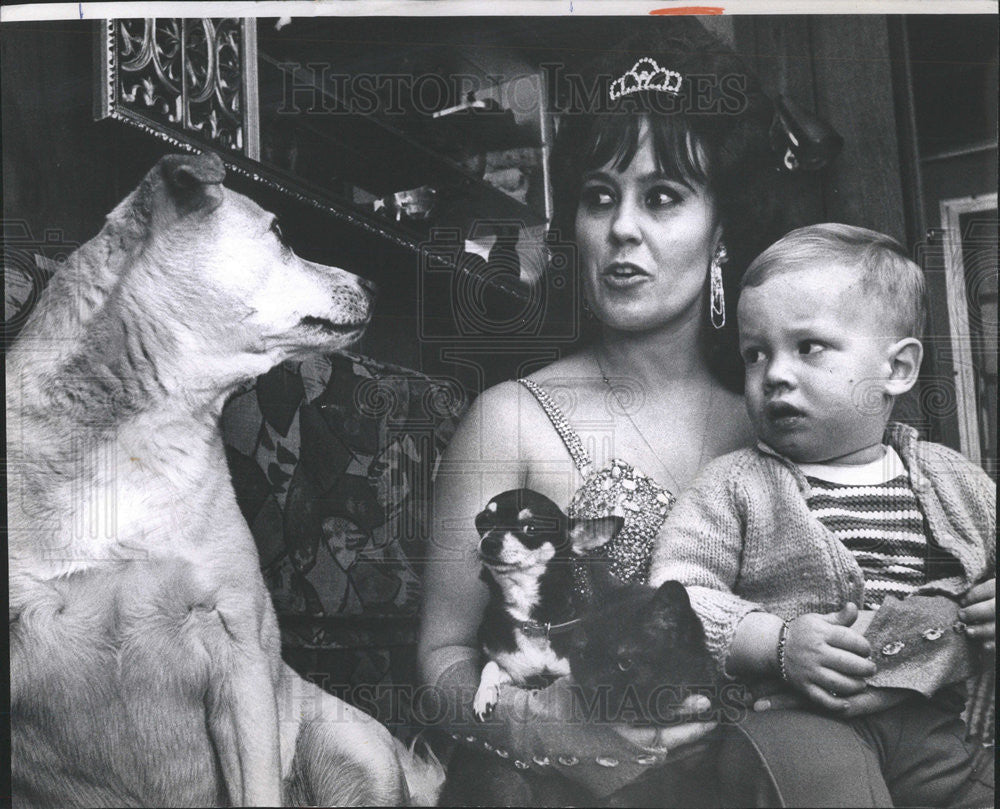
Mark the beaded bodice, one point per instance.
(617, 489)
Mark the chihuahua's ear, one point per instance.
(587, 535)
(905, 357)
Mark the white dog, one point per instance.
(145, 656)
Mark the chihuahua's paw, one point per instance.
(485, 700)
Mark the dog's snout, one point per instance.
(491, 545)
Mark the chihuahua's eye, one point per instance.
(529, 528)
(624, 663)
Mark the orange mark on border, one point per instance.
(707, 10)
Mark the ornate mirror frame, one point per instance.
(191, 82)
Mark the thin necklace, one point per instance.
(638, 432)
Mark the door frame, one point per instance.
(966, 405)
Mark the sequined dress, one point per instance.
(617, 489)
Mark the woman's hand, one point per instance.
(679, 741)
(565, 701)
(979, 612)
(869, 701)
(563, 721)
(827, 660)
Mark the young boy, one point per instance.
(834, 509)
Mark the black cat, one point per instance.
(641, 651)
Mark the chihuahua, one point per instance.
(528, 547)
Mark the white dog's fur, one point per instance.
(145, 656)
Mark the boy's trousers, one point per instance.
(913, 754)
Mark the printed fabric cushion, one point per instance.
(331, 460)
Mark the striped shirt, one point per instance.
(882, 525)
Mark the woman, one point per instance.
(656, 196)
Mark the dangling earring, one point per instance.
(716, 292)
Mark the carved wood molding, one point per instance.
(191, 82)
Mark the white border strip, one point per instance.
(474, 8)
(966, 406)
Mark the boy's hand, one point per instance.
(979, 613)
(825, 659)
(874, 700)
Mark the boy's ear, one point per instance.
(905, 357)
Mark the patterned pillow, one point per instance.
(332, 461)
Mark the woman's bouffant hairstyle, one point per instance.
(714, 133)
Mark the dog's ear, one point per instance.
(194, 181)
(590, 534)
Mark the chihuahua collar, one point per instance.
(537, 629)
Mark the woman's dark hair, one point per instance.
(713, 133)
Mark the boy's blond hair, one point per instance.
(885, 271)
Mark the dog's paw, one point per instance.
(484, 702)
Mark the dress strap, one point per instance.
(568, 435)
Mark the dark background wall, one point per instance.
(878, 80)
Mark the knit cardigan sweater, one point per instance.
(742, 539)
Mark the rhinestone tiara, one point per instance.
(646, 74)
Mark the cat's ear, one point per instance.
(670, 595)
(672, 609)
(587, 535)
